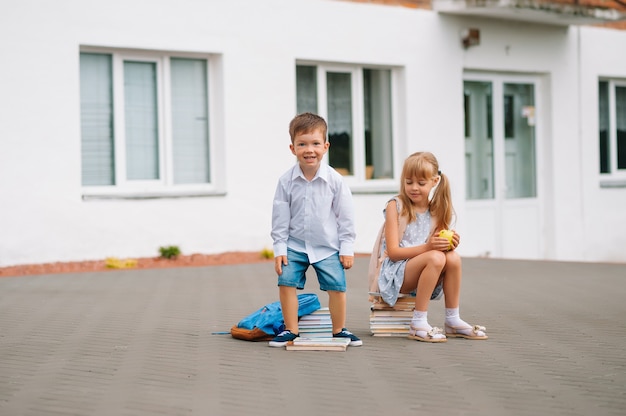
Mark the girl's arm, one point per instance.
(392, 239)
(395, 252)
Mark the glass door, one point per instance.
(519, 140)
(501, 166)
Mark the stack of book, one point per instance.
(318, 344)
(316, 324)
(390, 321)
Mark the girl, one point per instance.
(418, 260)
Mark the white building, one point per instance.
(129, 125)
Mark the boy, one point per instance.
(312, 225)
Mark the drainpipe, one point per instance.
(581, 180)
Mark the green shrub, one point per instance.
(169, 252)
(267, 253)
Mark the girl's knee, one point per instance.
(437, 258)
(452, 259)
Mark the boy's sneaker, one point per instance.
(283, 338)
(354, 340)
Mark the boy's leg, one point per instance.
(289, 305)
(332, 278)
(337, 308)
(292, 278)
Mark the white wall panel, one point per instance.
(44, 219)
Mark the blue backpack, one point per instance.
(267, 322)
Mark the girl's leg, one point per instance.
(454, 325)
(452, 279)
(422, 273)
(337, 308)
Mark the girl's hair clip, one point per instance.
(439, 172)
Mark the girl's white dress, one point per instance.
(391, 274)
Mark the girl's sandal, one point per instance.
(433, 335)
(477, 332)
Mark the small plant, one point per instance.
(266, 253)
(169, 252)
(115, 263)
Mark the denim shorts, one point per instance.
(330, 272)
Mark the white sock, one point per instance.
(420, 320)
(453, 319)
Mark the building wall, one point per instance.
(603, 209)
(43, 217)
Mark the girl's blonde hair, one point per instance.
(425, 165)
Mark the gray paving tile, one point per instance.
(143, 342)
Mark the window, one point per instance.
(500, 138)
(357, 104)
(612, 127)
(144, 123)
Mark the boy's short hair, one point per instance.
(306, 123)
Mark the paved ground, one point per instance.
(143, 342)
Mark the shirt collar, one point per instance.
(321, 173)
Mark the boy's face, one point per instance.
(309, 148)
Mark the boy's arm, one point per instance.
(280, 221)
(344, 211)
(346, 261)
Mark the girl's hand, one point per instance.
(346, 261)
(456, 240)
(278, 264)
(438, 243)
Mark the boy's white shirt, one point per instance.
(314, 217)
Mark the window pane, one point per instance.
(140, 110)
(466, 108)
(509, 117)
(339, 95)
(519, 100)
(306, 89)
(605, 152)
(478, 141)
(377, 118)
(96, 116)
(190, 127)
(620, 125)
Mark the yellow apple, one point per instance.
(447, 234)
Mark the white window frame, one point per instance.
(357, 181)
(164, 186)
(615, 177)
